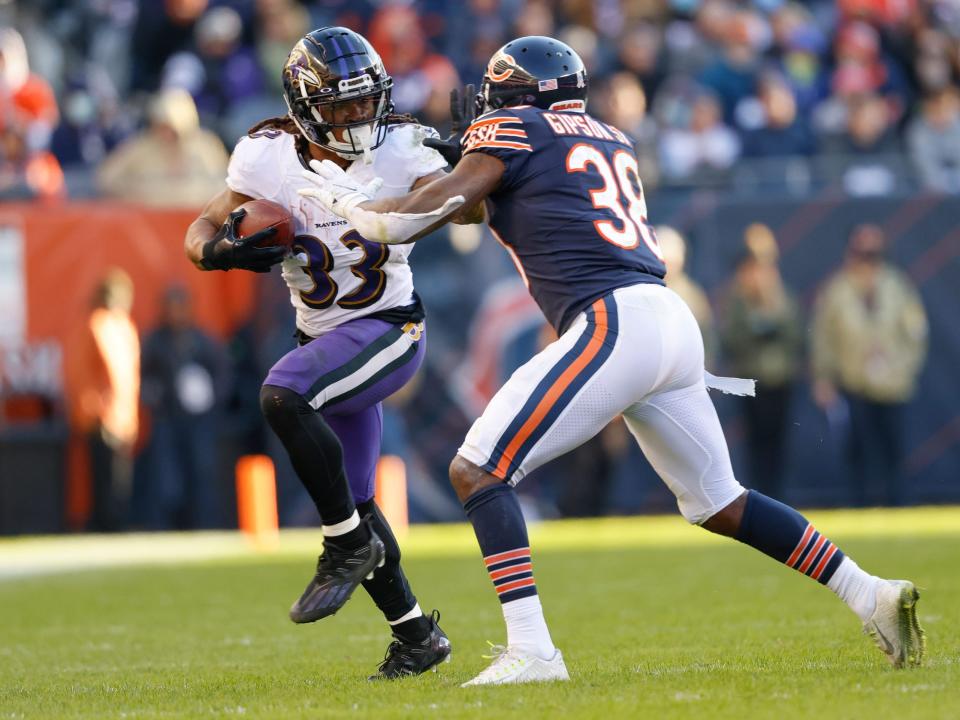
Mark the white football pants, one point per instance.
(637, 353)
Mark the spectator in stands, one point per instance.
(640, 53)
(441, 77)
(867, 154)
(102, 374)
(870, 128)
(396, 33)
(674, 249)
(281, 23)
(933, 55)
(93, 123)
(535, 17)
(173, 163)
(28, 115)
(183, 386)
(797, 54)
(698, 147)
(857, 49)
(770, 123)
(732, 76)
(220, 71)
(691, 34)
(161, 30)
(25, 98)
(933, 141)
(863, 78)
(473, 26)
(762, 338)
(888, 12)
(869, 344)
(622, 103)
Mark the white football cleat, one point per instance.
(513, 665)
(894, 626)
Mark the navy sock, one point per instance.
(502, 534)
(784, 534)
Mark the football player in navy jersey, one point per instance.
(563, 195)
(359, 321)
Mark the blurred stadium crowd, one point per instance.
(857, 92)
(141, 101)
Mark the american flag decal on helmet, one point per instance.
(496, 132)
(544, 85)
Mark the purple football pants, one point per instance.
(346, 374)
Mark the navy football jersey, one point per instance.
(569, 207)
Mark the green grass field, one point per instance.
(656, 620)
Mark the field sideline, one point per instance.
(655, 618)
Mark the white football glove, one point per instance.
(291, 270)
(342, 196)
(335, 190)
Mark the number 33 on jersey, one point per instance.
(574, 235)
(341, 275)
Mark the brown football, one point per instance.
(263, 214)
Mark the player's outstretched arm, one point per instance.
(466, 215)
(408, 217)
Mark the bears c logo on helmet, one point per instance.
(506, 65)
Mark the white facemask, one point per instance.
(362, 137)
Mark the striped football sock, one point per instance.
(502, 534)
(784, 534)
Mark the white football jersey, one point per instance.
(352, 276)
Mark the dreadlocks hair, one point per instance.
(284, 123)
(401, 118)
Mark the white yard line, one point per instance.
(49, 555)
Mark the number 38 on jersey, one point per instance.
(621, 184)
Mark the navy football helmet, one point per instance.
(534, 70)
(326, 70)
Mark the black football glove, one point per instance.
(462, 111)
(226, 251)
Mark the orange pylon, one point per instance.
(257, 501)
(391, 492)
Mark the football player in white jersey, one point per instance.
(359, 321)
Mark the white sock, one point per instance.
(343, 527)
(415, 613)
(526, 627)
(856, 588)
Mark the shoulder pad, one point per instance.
(255, 163)
(502, 128)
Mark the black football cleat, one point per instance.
(339, 572)
(405, 658)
